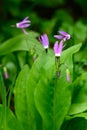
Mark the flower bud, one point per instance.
(5, 73)
(67, 75)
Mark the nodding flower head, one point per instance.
(62, 36)
(58, 48)
(23, 24)
(44, 40)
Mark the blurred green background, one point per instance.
(47, 16)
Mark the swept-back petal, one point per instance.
(63, 33)
(60, 37)
(56, 48)
(44, 40)
(26, 18)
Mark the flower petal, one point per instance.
(26, 18)
(67, 36)
(63, 33)
(59, 37)
(60, 47)
(56, 48)
(21, 25)
(44, 40)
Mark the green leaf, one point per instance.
(10, 120)
(77, 108)
(53, 94)
(21, 43)
(70, 51)
(83, 115)
(34, 76)
(2, 88)
(21, 104)
(79, 100)
(26, 84)
(52, 99)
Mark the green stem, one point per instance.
(11, 90)
(73, 58)
(57, 65)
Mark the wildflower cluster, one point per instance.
(63, 36)
(58, 45)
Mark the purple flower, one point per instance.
(44, 40)
(23, 24)
(62, 36)
(58, 48)
(67, 75)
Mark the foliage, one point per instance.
(40, 97)
(34, 96)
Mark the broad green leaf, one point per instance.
(34, 76)
(79, 100)
(21, 43)
(76, 108)
(70, 51)
(53, 94)
(52, 99)
(10, 120)
(21, 105)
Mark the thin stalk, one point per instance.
(73, 58)
(11, 90)
(57, 65)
